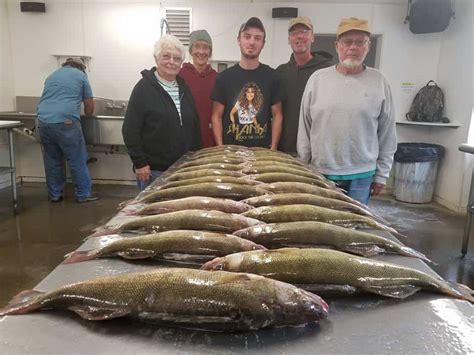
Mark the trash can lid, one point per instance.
(418, 152)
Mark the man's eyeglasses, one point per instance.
(347, 42)
(295, 33)
(168, 57)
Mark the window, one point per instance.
(179, 23)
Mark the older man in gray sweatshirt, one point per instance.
(347, 121)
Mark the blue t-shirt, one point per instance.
(64, 91)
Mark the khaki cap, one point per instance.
(352, 24)
(300, 20)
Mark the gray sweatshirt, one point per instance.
(347, 123)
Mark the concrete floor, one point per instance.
(35, 241)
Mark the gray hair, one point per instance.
(169, 42)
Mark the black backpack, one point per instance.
(428, 104)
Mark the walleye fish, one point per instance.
(213, 160)
(280, 177)
(216, 179)
(297, 213)
(324, 270)
(265, 164)
(310, 199)
(194, 202)
(182, 297)
(187, 219)
(209, 189)
(317, 234)
(213, 166)
(187, 246)
(202, 172)
(252, 169)
(278, 187)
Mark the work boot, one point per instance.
(90, 198)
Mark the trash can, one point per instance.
(416, 170)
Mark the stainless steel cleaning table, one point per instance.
(9, 126)
(424, 323)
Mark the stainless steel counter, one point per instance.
(424, 323)
(98, 130)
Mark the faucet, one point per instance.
(112, 105)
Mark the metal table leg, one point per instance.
(470, 211)
(12, 165)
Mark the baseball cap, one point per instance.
(352, 24)
(78, 61)
(253, 22)
(300, 20)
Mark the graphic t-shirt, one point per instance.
(247, 96)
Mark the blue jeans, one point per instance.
(62, 142)
(358, 189)
(154, 175)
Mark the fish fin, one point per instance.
(99, 232)
(136, 254)
(235, 278)
(96, 313)
(364, 250)
(407, 251)
(329, 289)
(125, 203)
(214, 264)
(79, 256)
(462, 291)
(259, 247)
(22, 303)
(396, 291)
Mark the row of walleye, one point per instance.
(271, 235)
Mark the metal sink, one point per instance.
(102, 130)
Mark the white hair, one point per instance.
(169, 42)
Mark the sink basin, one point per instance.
(102, 130)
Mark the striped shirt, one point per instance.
(172, 88)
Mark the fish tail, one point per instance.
(133, 210)
(407, 251)
(99, 232)
(79, 256)
(125, 203)
(458, 291)
(391, 230)
(24, 302)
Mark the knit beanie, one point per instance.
(199, 35)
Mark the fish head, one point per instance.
(230, 262)
(295, 305)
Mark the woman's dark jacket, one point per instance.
(152, 130)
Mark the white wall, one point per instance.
(6, 83)
(6, 77)
(119, 35)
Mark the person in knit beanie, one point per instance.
(200, 77)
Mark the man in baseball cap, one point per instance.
(347, 120)
(247, 97)
(295, 74)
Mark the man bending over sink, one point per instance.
(60, 130)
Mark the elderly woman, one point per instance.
(161, 122)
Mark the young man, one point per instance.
(200, 77)
(295, 75)
(247, 97)
(347, 119)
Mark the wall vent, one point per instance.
(179, 23)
